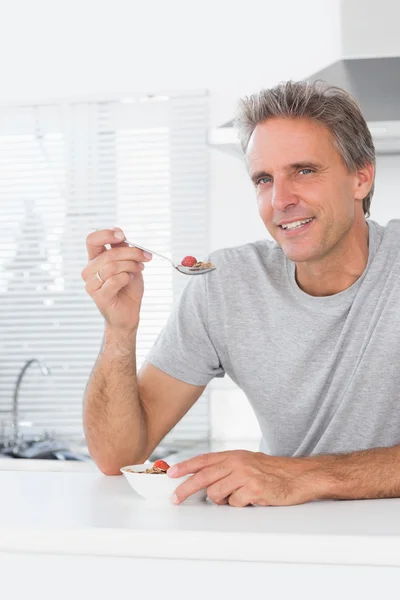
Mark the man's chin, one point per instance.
(298, 255)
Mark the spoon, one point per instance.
(180, 268)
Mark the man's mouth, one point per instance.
(296, 226)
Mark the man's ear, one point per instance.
(363, 181)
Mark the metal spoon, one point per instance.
(180, 268)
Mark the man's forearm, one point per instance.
(114, 419)
(359, 475)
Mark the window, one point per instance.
(140, 163)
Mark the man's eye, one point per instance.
(306, 171)
(264, 180)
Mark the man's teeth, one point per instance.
(295, 224)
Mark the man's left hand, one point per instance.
(242, 478)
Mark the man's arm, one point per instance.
(371, 473)
(241, 478)
(126, 416)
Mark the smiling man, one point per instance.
(307, 325)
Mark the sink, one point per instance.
(44, 449)
(51, 449)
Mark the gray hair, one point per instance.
(324, 103)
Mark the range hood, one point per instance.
(374, 83)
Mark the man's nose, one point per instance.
(283, 195)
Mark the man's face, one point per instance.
(299, 175)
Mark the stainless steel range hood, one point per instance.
(374, 82)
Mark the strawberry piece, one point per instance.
(161, 464)
(189, 261)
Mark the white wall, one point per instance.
(370, 28)
(386, 201)
(75, 47)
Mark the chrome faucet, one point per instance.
(15, 411)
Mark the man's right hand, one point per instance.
(119, 298)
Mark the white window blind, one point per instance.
(140, 163)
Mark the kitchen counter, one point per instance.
(33, 464)
(91, 514)
(60, 528)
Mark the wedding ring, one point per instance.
(99, 278)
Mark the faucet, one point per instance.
(15, 411)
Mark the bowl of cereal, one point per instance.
(152, 483)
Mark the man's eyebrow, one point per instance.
(258, 174)
(292, 167)
(307, 164)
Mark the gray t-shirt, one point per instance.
(321, 373)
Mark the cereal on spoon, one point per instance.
(194, 264)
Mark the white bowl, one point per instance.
(157, 489)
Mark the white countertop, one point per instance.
(91, 514)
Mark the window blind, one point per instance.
(65, 167)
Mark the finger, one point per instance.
(220, 491)
(97, 240)
(115, 255)
(119, 244)
(110, 270)
(112, 286)
(192, 465)
(93, 285)
(117, 267)
(241, 497)
(253, 491)
(147, 255)
(118, 254)
(199, 481)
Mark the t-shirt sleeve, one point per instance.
(184, 348)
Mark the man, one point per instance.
(308, 326)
